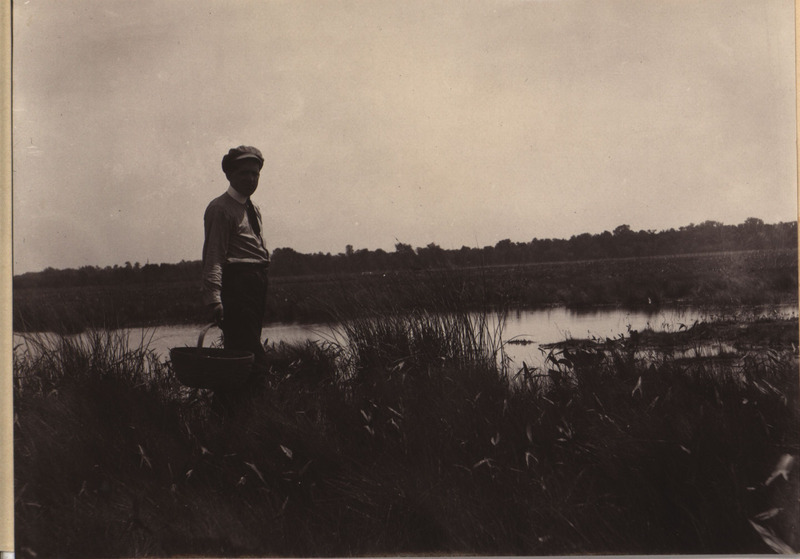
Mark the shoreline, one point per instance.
(712, 308)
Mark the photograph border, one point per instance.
(6, 259)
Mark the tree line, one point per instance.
(622, 242)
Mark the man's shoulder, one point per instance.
(220, 203)
(220, 200)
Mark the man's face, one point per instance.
(244, 178)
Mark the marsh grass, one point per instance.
(43, 360)
(735, 278)
(420, 338)
(409, 436)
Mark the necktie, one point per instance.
(253, 218)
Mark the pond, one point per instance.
(524, 331)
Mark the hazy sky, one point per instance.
(458, 122)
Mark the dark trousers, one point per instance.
(244, 299)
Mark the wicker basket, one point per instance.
(212, 368)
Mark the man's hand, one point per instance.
(216, 314)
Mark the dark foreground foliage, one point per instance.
(411, 437)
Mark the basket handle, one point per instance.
(203, 334)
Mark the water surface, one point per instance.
(533, 327)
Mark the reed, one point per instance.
(43, 360)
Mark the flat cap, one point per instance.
(238, 154)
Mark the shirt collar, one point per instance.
(233, 193)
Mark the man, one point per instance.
(235, 260)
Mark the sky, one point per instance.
(456, 123)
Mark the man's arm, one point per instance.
(215, 250)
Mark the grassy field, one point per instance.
(730, 278)
(412, 437)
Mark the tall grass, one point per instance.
(43, 360)
(419, 338)
(409, 436)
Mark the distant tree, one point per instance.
(432, 255)
(504, 252)
(753, 222)
(402, 248)
(405, 257)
